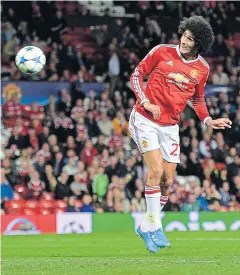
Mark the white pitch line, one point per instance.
(208, 239)
(81, 260)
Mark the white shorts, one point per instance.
(150, 136)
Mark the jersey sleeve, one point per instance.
(142, 70)
(198, 100)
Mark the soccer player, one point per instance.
(177, 74)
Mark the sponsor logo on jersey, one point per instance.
(179, 77)
(194, 73)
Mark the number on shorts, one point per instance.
(175, 146)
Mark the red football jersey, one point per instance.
(173, 80)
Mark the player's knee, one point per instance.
(155, 172)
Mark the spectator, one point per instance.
(43, 137)
(88, 153)
(50, 111)
(207, 145)
(104, 158)
(9, 49)
(57, 164)
(234, 78)
(40, 165)
(195, 147)
(116, 141)
(223, 177)
(182, 168)
(236, 188)
(114, 69)
(233, 169)
(120, 124)
(24, 157)
(62, 190)
(45, 152)
(71, 205)
(114, 168)
(36, 186)
(92, 126)
(100, 183)
(172, 204)
(6, 189)
(21, 125)
(213, 198)
(138, 203)
(213, 171)
(58, 27)
(100, 146)
(226, 196)
(201, 199)
(192, 204)
(70, 144)
(35, 112)
(70, 168)
(65, 104)
(219, 77)
(10, 172)
(234, 132)
(70, 58)
(16, 139)
(101, 35)
(79, 186)
(220, 152)
(87, 206)
(81, 166)
(32, 139)
(63, 126)
(90, 98)
(232, 61)
(193, 167)
(131, 176)
(37, 126)
(49, 179)
(219, 47)
(78, 111)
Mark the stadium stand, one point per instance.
(76, 154)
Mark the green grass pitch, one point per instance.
(122, 253)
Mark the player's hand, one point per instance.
(220, 123)
(154, 109)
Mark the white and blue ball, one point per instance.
(30, 60)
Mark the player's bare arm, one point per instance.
(220, 123)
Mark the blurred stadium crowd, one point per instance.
(76, 154)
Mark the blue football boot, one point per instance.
(159, 238)
(147, 239)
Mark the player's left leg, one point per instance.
(169, 169)
(169, 137)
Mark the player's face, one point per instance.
(187, 44)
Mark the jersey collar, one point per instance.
(183, 59)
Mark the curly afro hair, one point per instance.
(201, 30)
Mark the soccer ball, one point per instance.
(30, 60)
